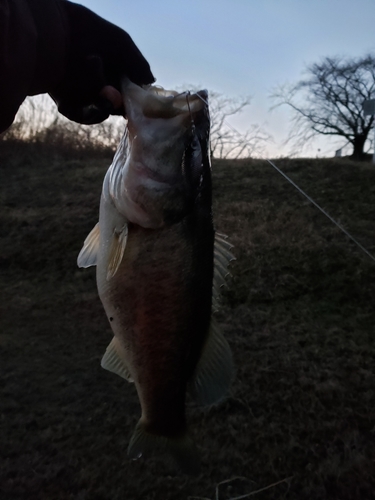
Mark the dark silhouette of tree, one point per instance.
(329, 101)
(227, 141)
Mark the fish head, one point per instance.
(162, 167)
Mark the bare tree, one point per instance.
(329, 101)
(227, 141)
(35, 115)
(39, 120)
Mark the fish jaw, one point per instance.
(149, 183)
(142, 194)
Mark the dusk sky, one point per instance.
(244, 47)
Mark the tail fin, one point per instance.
(181, 448)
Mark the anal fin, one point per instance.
(214, 372)
(113, 360)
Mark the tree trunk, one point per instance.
(358, 146)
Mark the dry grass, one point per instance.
(299, 317)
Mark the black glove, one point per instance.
(100, 54)
(64, 49)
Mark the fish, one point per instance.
(160, 267)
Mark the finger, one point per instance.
(113, 95)
(87, 114)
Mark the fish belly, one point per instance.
(159, 307)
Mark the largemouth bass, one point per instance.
(160, 267)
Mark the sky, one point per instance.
(244, 48)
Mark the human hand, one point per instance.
(100, 54)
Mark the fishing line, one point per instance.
(322, 210)
(201, 98)
(308, 197)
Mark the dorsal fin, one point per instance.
(222, 258)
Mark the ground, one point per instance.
(299, 316)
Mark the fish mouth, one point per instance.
(157, 102)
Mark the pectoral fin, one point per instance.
(116, 254)
(114, 360)
(88, 255)
(214, 372)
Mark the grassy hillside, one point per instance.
(299, 316)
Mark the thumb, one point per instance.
(113, 96)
